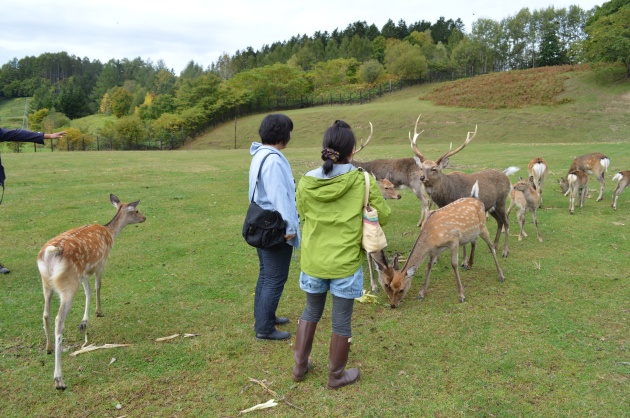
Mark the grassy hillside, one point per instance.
(593, 110)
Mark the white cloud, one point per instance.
(185, 30)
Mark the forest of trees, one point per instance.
(150, 99)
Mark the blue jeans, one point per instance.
(274, 271)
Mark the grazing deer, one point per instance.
(538, 169)
(575, 185)
(444, 188)
(595, 164)
(525, 196)
(402, 172)
(449, 227)
(622, 178)
(70, 259)
(388, 189)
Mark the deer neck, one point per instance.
(116, 224)
(421, 250)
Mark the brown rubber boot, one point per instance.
(338, 357)
(303, 344)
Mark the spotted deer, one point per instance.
(445, 188)
(622, 178)
(447, 228)
(595, 164)
(575, 185)
(70, 259)
(526, 197)
(538, 170)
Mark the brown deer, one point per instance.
(538, 169)
(444, 188)
(447, 228)
(525, 196)
(575, 185)
(401, 172)
(70, 259)
(595, 164)
(388, 189)
(622, 178)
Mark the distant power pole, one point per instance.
(25, 117)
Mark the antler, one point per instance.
(366, 142)
(416, 134)
(461, 147)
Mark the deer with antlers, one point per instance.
(525, 196)
(454, 225)
(622, 178)
(595, 164)
(70, 259)
(401, 172)
(494, 186)
(538, 170)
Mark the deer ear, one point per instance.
(444, 163)
(380, 260)
(395, 262)
(115, 201)
(418, 161)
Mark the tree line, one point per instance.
(150, 99)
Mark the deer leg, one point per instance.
(97, 284)
(536, 225)
(48, 293)
(485, 235)
(583, 196)
(454, 264)
(521, 221)
(88, 293)
(423, 291)
(602, 181)
(464, 258)
(372, 281)
(66, 298)
(503, 225)
(473, 246)
(424, 202)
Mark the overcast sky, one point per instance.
(180, 31)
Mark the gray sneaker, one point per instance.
(4, 270)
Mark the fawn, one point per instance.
(72, 258)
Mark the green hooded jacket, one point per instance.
(331, 213)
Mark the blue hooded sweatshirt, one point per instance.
(276, 187)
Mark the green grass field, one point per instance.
(552, 340)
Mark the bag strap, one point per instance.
(366, 199)
(259, 170)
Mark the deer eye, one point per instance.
(401, 291)
(433, 169)
(387, 286)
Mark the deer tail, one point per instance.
(511, 170)
(617, 177)
(605, 162)
(474, 192)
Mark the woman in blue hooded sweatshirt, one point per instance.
(273, 190)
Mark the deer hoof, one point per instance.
(59, 384)
(83, 326)
(100, 314)
(461, 299)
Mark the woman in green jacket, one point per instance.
(330, 202)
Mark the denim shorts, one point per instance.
(347, 287)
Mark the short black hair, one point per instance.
(275, 128)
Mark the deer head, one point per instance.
(394, 281)
(431, 170)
